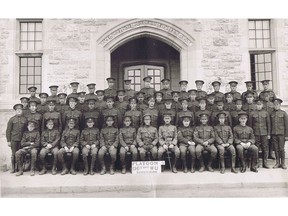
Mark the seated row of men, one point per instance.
(195, 140)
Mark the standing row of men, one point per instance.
(79, 117)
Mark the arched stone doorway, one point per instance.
(156, 29)
(145, 56)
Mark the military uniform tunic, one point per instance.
(141, 106)
(235, 117)
(168, 136)
(229, 107)
(42, 108)
(56, 117)
(202, 134)
(249, 108)
(201, 94)
(26, 147)
(279, 131)
(236, 95)
(136, 116)
(14, 131)
(37, 117)
(269, 92)
(166, 92)
(110, 92)
(127, 138)
(245, 134)
(38, 101)
(70, 138)
(193, 106)
(147, 139)
(100, 106)
(115, 113)
(90, 136)
(154, 116)
(73, 113)
(148, 92)
(129, 94)
(108, 138)
(219, 96)
(50, 137)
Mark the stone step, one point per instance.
(267, 183)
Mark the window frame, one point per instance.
(271, 50)
(26, 53)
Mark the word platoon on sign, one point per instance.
(142, 167)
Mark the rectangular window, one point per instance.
(31, 35)
(261, 52)
(261, 68)
(259, 34)
(30, 73)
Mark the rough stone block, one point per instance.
(220, 42)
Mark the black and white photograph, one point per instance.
(143, 107)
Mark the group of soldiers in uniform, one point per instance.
(148, 124)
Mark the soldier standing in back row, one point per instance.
(110, 91)
(15, 129)
(42, 107)
(147, 90)
(266, 89)
(260, 122)
(53, 91)
(128, 90)
(32, 90)
(100, 103)
(91, 92)
(249, 87)
(166, 90)
(62, 106)
(279, 132)
(200, 93)
(24, 102)
(233, 87)
(74, 93)
(218, 95)
(183, 88)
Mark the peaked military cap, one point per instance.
(216, 82)
(199, 81)
(233, 83)
(100, 92)
(91, 84)
(183, 81)
(221, 113)
(54, 87)
(18, 106)
(165, 80)
(278, 99)
(109, 79)
(242, 113)
(147, 77)
(158, 92)
(24, 99)
(62, 95)
(43, 94)
(33, 88)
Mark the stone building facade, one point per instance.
(90, 50)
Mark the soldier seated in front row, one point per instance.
(30, 143)
(147, 138)
(89, 140)
(50, 139)
(204, 138)
(168, 140)
(70, 144)
(244, 139)
(127, 138)
(224, 141)
(186, 142)
(109, 141)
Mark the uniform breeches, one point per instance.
(262, 141)
(253, 150)
(174, 150)
(15, 146)
(123, 152)
(62, 152)
(183, 151)
(45, 151)
(230, 149)
(86, 152)
(210, 148)
(278, 142)
(103, 150)
(22, 152)
(148, 148)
